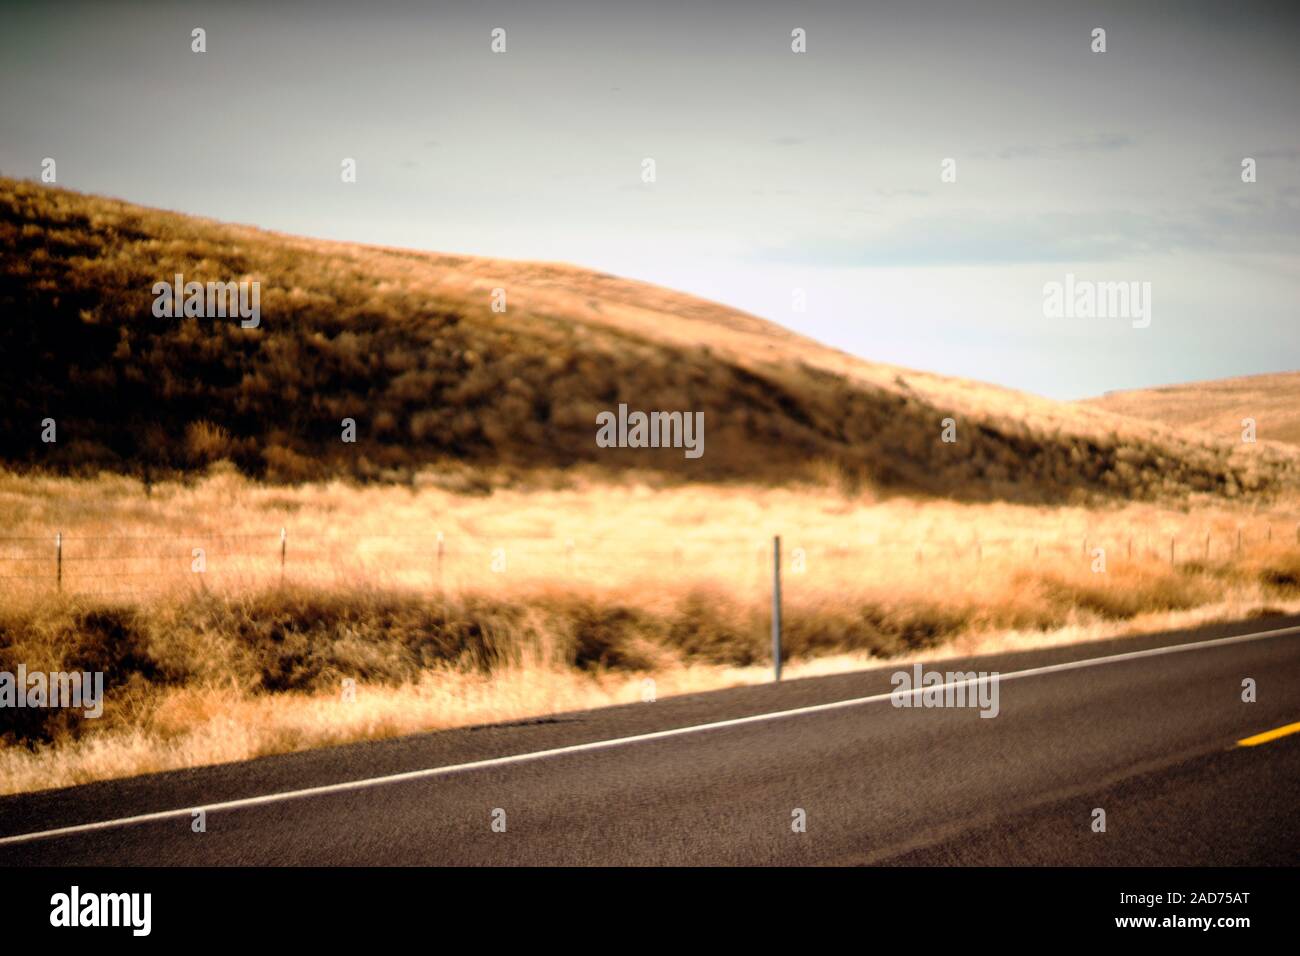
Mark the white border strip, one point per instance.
(431, 772)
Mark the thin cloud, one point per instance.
(1099, 236)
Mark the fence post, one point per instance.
(776, 607)
(1238, 542)
(1172, 539)
(284, 535)
(1207, 546)
(58, 558)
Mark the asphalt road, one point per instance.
(1149, 738)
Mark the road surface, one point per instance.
(1144, 732)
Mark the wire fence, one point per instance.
(139, 565)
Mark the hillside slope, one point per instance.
(407, 344)
(1216, 408)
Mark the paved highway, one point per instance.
(1144, 728)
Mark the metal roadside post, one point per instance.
(776, 607)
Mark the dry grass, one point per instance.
(124, 539)
(668, 584)
(568, 574)
(200, 725)
(1217, 408)
(407, 345)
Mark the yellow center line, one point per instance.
(1268, 735)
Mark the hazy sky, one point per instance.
(775, 171)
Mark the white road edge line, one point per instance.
(614, 742)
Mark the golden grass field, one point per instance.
(1217, 408)
(602, 588)
(569, 575)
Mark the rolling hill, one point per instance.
(1216, 408)
(408, 345)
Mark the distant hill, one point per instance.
(1216, 408)
(408, 345)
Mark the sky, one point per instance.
(781, 178)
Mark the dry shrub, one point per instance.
(1124, 592)
(206, 443)
(114, 641)
(286, 465)
(1282, 572)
